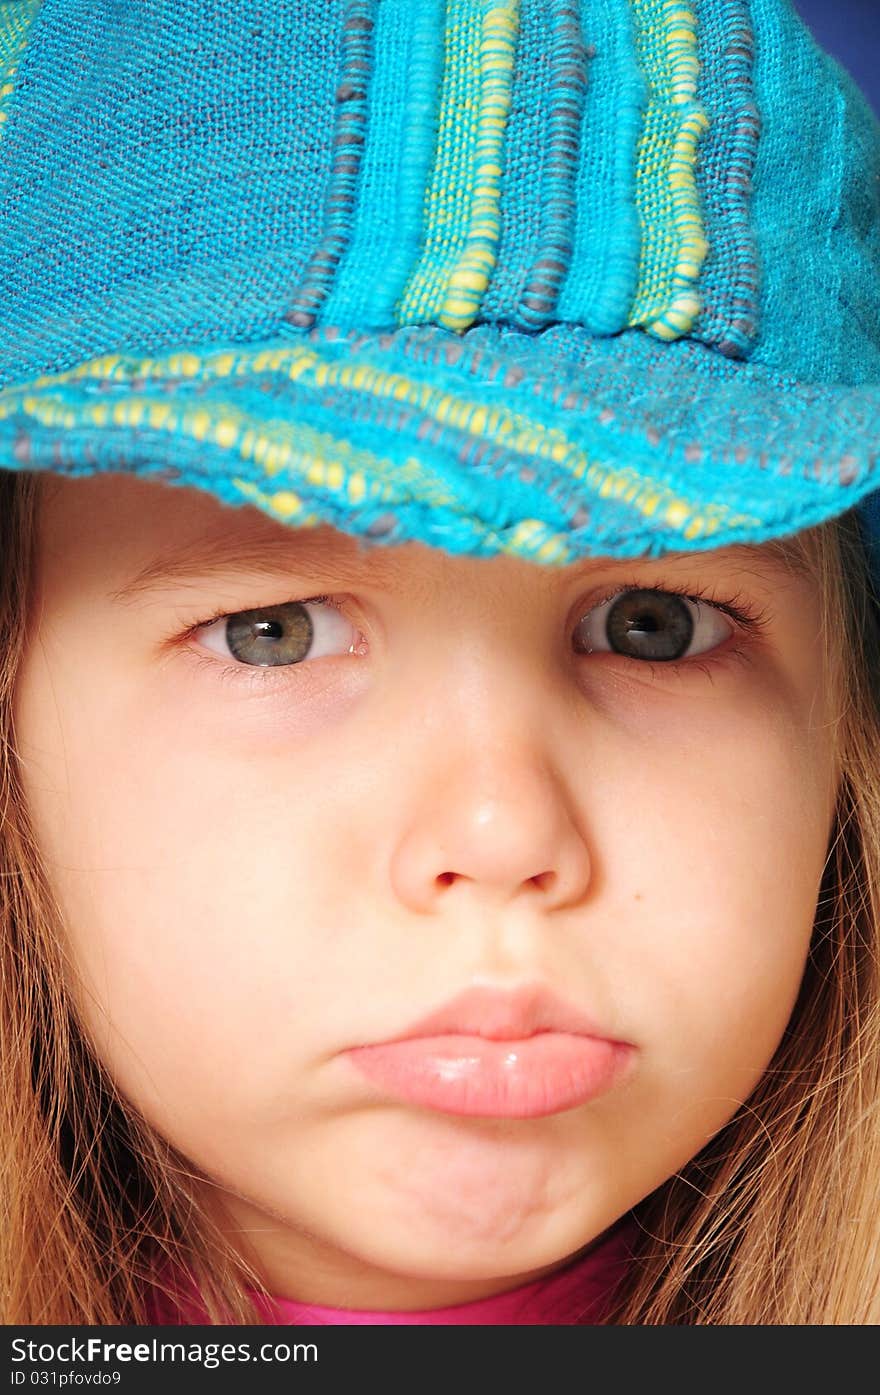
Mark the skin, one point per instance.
(255, 879)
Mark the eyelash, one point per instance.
(749, 619)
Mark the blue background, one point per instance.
(850, 29)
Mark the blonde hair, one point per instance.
(774, 1222)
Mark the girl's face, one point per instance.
(469, 773)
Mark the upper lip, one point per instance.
(504, 1014)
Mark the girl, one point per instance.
(443, 887)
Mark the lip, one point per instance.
(504, 1014)
(520, 1054)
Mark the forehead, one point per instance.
(151, 536)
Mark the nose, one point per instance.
(491, 814)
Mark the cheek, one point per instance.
(718, 894)
(196, 897)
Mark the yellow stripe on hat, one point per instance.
(674, 246)
(463, 200)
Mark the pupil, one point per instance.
(644, 622)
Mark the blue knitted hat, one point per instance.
(540, 277)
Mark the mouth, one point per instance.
(523, 1078)
(498, 1054)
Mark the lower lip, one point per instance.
(515, 1079)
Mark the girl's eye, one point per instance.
(655, 625)
(280, 635)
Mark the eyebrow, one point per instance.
(776, 555)
(219, 558)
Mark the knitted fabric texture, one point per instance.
(546, 277)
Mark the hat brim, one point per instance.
(549, 447)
